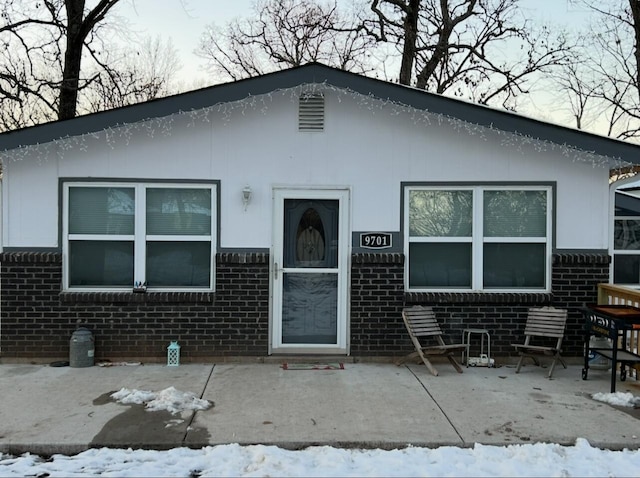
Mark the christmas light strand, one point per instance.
(224, 112)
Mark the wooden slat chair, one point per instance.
(422, 325)
(543, 325)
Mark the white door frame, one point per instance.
(280, 194)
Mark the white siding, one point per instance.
(370, 152)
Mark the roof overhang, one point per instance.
(618, 152)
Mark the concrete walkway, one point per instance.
(46, 410)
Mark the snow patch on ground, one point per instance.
(621, 399)
(169, 399)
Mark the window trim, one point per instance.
(139, 238)
(477, 238)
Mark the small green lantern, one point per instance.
(173, 354)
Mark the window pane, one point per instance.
(515, 213)
(179, 211)
(626, 269)
(626, 234)
(310, 309)
(178, 264)
(440, 213)
(440, 265)
(100, 263)
(519, 266)
(95, 210)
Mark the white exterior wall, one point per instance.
(371, 152)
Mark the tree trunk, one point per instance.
(436, 58)
(72, 59)
(412, 13)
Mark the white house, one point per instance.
(297, 213)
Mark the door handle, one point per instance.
(275, 270)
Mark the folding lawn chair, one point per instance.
(543, 333)
(423, 327)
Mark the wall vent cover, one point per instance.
(311, 112)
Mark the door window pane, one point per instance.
(440, 265)
(172, 211)
(310, 308)
(100, 263)
(514, 266)
(311, 233)
(440, 213)
(98, 210)
(178, 264)
(515, 213)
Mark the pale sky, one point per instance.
(184, 21)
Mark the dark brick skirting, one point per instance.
(38, 319)
(378, 296)
(574, 281)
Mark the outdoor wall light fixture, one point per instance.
(246, 196)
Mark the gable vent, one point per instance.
(311, 113)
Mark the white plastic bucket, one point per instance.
(597, 361)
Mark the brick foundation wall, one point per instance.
(377, 296)
(37, 319)
(575, 279)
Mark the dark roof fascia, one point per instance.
(318, 73)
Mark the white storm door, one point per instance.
(309, 271)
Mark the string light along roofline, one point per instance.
(428, 111)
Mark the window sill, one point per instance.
(478, 297)
(136, 298)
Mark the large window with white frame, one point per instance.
(626, 238)
(626, 251)
(119, 235)
(478, 238)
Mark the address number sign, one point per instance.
(375, 240)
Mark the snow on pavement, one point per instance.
(539, 459)
(580, 460)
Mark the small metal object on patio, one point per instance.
(173, 354)
(597, 361)
(81, 348)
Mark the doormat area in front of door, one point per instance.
(313, 366)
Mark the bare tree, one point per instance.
(283, 34)
(608, 74)
(135, 75)
(54, 60)
(574, 90)
(43, 43)
(483, 50)
(80, 24)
